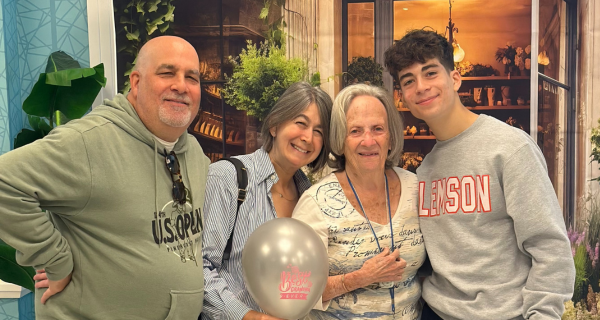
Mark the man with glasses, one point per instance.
(123, 188)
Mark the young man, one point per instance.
(124, 187)
(490, 219)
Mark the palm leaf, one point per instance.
(12, 272)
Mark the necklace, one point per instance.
(389, 284)
(281, 195)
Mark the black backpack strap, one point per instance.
(242, 179)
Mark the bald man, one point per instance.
(123, 188)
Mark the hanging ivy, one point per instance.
(138, 21)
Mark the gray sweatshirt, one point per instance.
(104, 181)
(493, 227)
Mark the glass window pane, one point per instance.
(488, 85)
(361, 30)
(551, 130)
(552, 39)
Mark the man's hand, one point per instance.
(41, 279)
(54, 287)
(253, 315)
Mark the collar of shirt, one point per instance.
(267, 172)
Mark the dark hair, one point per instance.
(418, 46)
(291, 104)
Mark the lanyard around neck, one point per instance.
(387, 190)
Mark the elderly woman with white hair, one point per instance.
(366, 213)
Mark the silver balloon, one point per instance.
(285, 267)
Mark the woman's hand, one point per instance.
(384, 267)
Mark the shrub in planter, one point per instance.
(260, 76)
(364, 69)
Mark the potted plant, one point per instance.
(585, 246)
(514, 59)
(260, 76)
(364, 69)
(64, 91)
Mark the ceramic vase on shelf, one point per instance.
(505, 95)
(491, 92)
(477, 95)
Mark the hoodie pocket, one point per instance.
(185, 305)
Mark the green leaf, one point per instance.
(315, 79)
(73, 100)
(140, 6)
(39, 125)
(126, 20)
(129, 68)
(151, 27)
(264, 13)
(126, 87)
(152, 5)
(133, 36)
(38, 102)
(59, 60)
(12, 272)
(27, 136)
(64, 77)
(163, 27)
(169, 15)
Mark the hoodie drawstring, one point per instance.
(156, 212)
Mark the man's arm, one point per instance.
(541, 234)
(49, 174)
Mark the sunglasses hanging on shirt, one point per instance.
(179, 191)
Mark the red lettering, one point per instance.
(423, 212)
(468, 199)
(441, 196)
(452, 195)
(483, 194)
(433, 206)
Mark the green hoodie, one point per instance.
(103, 179)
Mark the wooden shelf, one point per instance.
(486, 108)
(482, 108)
(419, 137)
(202, 135)
(495, 78)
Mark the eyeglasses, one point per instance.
(179, 192)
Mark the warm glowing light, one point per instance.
(459, 53)
(543, 58)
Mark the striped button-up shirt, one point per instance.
(225, 294)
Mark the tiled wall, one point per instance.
(31, 30)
